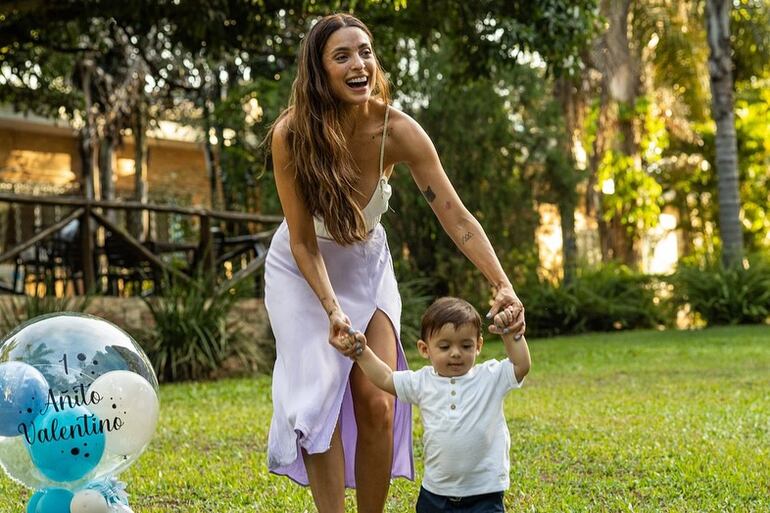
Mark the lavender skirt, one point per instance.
(311, 389)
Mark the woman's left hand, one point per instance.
(504, 297)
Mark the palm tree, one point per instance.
(721, 73)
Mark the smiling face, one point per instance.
(350, 65)
(452, 350)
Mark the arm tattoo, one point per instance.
(333, 305)
(468, 236)
(429, 194)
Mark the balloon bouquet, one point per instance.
(78, 405)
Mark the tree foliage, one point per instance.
(482, 77)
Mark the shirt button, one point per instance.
(452, 381)
(454, 393)
(453, 407)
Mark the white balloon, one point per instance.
(89, 501)
(130, 402)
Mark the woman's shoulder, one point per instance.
(279, 143)
(406, 138)
(399, 118)
(279, 134)
(281, 126)
(402, 127)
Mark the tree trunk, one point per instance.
(141, 220)
(569, 240)
(627, 241)
(88, 182)
(87, 134)
(685, 227)
(621, 83)
(213, 163)
(87, 163)
(593, 192)
(721, 74)
(223, 180)
(106, 175)
(571, 101)
(107, 172)
(623, 246)
(593, 189)
(231, 190)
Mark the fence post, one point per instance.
(87, 247)
(206, 249)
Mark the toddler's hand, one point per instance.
(503, 322)
(355, 343)
(506, 301)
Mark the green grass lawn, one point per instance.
(635, 422)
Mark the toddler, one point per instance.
(466, 441)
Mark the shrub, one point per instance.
(551, 309)
(720, 294)
(195, 334)
(415, 298)
(608, 298)
(614, 297)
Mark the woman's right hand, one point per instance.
(342, 334)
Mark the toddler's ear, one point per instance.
(422, 347)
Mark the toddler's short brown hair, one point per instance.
(449, 310)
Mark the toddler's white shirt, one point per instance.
(466, 440)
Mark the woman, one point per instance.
(329, 268)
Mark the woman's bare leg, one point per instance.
(326, 472)
(374, 419)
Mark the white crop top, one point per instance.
(378, 203)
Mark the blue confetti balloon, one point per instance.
(23, 392)
(54, 500)
(66, 444)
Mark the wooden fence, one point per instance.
(102, 256)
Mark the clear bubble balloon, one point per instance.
(43, 443)
(17, 462)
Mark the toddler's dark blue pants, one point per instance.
(429, 502)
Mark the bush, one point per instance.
(609, 298)
(738, 294)
(195, 334)
(415, 298)
(613, 297)
(550, 309)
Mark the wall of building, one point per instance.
(49, 155)
(32, 157)
(175, 171)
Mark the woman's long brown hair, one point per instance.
(325, 169)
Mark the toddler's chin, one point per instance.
(454, 371)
